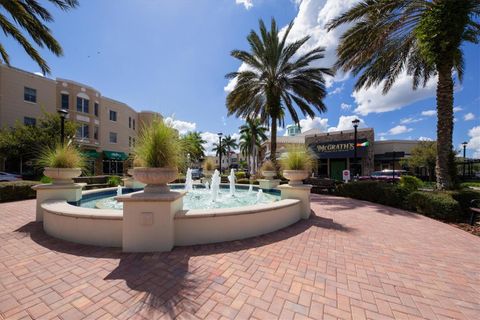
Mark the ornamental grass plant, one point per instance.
(298, 158)
(208, 165)
(66, 156)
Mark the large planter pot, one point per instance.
(130, 172)
(62, 175)
(296, 177)
(269, 175)
(156, 179)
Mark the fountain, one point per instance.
(231, 178)
(119, 190)
(250, 189)
(259, 195)
(215, 187)
(189, 180)
(207, 186)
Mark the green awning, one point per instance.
(91, 154)
(115, 155)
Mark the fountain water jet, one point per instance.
(207, 186)
(189, 180)
(250, 189)
(119, 190)
(231, 178)
(215, 187)
(259, 195)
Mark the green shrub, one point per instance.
(374, 191)
(470, 184)
(438, 205)
(464, 199)
(240, 175)
(66, 156)
(114, 181)
(45, 179)
(410, 183)
(243, 181)
(17, 190)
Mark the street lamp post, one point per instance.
(355, 127)
(63, 113)
(464, 144)
(220, 151)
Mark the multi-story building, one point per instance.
(229, 162)
(107, 129)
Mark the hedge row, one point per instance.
(17, 190)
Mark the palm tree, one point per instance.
(252, 134)
(219, 149)
(229, 144)
(193, 145)
(275, 81)
(423, 38)
(30, 16)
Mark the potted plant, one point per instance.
(158, 154)
(296, 165)
(268, 170)
(62, 163)
(208, 168)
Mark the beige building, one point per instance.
(107, 129)
(233, 161)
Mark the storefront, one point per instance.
(91, 157)
(113, 162)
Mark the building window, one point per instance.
(113, 137)
(133, 124)
(65, 101)
(133, 142)
(113, 115)
(95, 132)
(30, 94)
(95, 109)
(130, 142)
(82, 131)
(82, 105)
(29, 121)
(130, 122)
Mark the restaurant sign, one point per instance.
(338, 149)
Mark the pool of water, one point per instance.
(199, 198)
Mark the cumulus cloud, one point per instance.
(337, 90)
(345, 106)
(469, 116)
(429, 113)
(396, 130)
(372, 100)
(345, 123)
(182, 126)
(424, 139)
(474, 142)
(246, 3)
(457, 109)
(315, 123)
(410, 120)
(210, 138)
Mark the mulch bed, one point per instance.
(475, 230)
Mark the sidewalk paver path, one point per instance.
(350, 260)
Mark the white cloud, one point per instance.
(345, 123)
(429, 113)
(346, 107)
(246, 3)
(182, 126)
(424, 139)
(396, 130)
(210, 138)
(410, 120)
(317, 122)
(474, 142)
(469, 116)
(372, 100)
(337, 90)
(457, 109)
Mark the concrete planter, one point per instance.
(62, 175)
(156, 179)
(269, 174)
(296, 177)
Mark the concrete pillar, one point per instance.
(268, 184)
(299, 192)
(70, 192)
(148, 220)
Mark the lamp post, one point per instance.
(355, 127)
(220, 151)
(63, 113)
(464, 144)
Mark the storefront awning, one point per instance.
(115, 155)
(91, 154)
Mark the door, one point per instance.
(336, 168)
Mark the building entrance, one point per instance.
(336, 168)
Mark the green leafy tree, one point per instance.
(30, 16)
(278, 78)
(252, 134)
(192, 144)
(230, 144)
(423, 38)
(423, 155)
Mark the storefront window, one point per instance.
(322, 167)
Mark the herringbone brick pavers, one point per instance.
(350, 260)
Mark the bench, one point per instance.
(474, 211)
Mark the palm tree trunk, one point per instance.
(273, 141)
(254, 153)
(444, 125)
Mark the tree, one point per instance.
(423, 38)
(192, 143)
(252, 134)
(229, 144)
(423, 155)
(30, 16)
(219, 149)
(275, 81)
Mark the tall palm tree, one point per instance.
(277, 78)
(252, 134)
(30, 16)
(423, 37)
(219, 149)
(193, 145)
(229, 144)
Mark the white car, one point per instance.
(5, 176)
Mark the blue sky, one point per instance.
(171, 57)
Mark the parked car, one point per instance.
(5, 176)
(196, 174)
(384, 175)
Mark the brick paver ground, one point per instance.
(351, 260)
